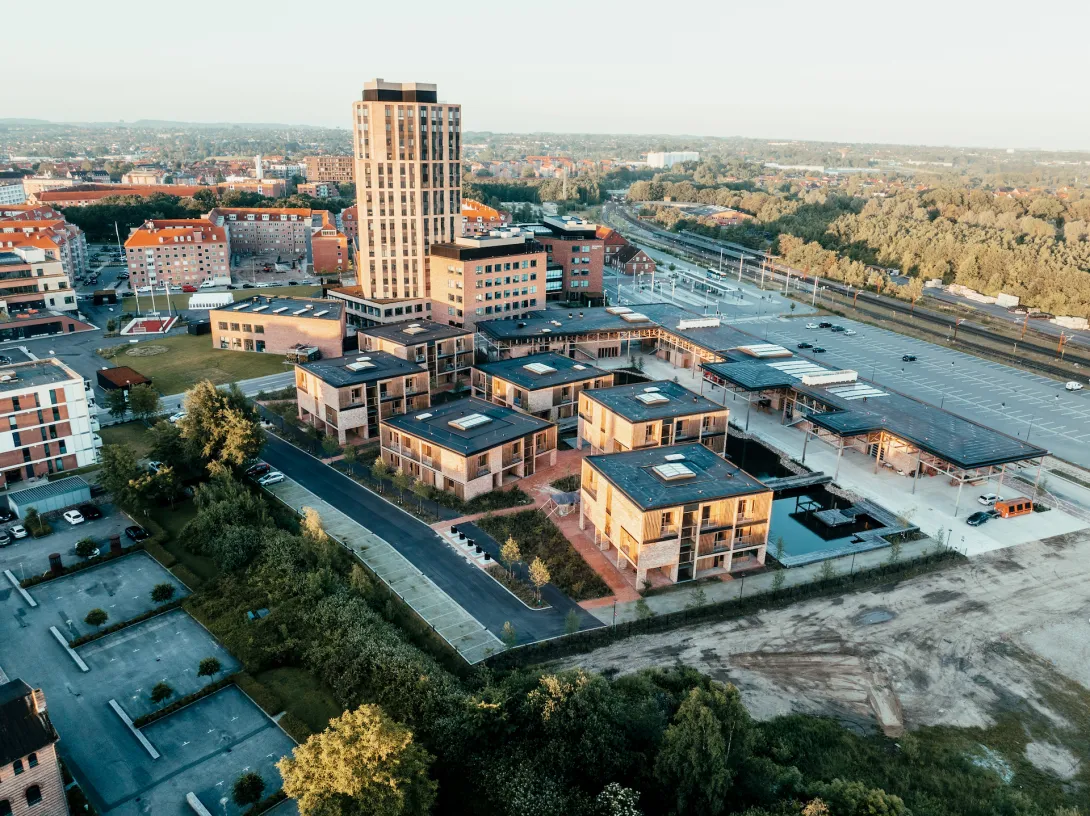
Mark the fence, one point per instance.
(588, 639)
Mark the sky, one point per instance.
(923, 72)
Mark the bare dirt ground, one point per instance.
(958, 647)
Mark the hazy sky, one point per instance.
(953, 72)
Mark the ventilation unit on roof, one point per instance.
(699, 323)
(635, 317)
(280, 309)
(673, 471)
(319, 314)
(539, 368)
(241, 306)
(578, 367)
(675, 457)
(471, 421)
(363, 359)
(298, 311)
(423, 416)
(358, 366)
(618, 310)
(414, 329)
(652, 388)
(546, 331)
(652, 398)
(261, 308)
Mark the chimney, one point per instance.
(39, 701)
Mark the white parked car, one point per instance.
(17, 531)
(208, 284)
(73, 516)
(175, 418)
(988, 499)
(849, 332)
(811, 325)
(275, 477)
(143, 290)
(1073, 386)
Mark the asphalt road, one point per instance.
(467, 585)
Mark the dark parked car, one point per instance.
(90, 511)
(805, 345)
(836, 328)
(818, 350)
(976, 519)
(7, 515)
(256, 470)
(909, 358)
(825, 324)
(135, 533)
(5, 360)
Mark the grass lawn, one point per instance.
(133, 435)
(303, 694)
(173, 521)
(181, 300)
(185, 359)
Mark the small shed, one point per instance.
(50, 496)
(121, 377)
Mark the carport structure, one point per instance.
(900, 432)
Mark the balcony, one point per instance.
(591, 491)
(666, 533)
(408, 453)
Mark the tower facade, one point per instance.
(407, 152)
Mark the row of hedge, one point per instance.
(83, 640)
(182, 702)
(590, 639)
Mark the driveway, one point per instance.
(466, 584)
(30, 556)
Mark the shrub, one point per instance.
(295, 727)
(163, 556)
(248, 789)
(82, 639)
(160, 692)
(208, 667)
(86, 547)
(161, 593)
(497, 500)
(569, 483)
(181, 702)
(96, 617)
(187, 576)
(265, 698)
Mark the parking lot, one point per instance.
(30, 556)
(203, 747)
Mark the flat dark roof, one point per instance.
(622, 400)
(383, 366)
(751, 375)
(415, 332)
(36, 373)
(566, 371)
(713, 477)
(433, 425)
(458, 252)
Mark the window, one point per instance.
(17, 766)
(5, 807)
(33, 795)
(222, 327)
(246, 327)
(32, 760)
(259, 329)
(234, 327)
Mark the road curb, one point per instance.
(135, 731)
(71, 652)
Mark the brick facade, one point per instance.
(277, 332)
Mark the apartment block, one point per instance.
(31, 783)
(178, 252)
(645, 415)
(680, 512)
(346, 397)
(362, 310)
(328, 245)
(273, 231)
(30, 282)
(408, 185)
(319, 189)
(544, 385)
(335, 169)
(445, 351)
(480, 219)
(481, 277)
(469, 446)
(45, 229)
(280, 325)
(350, 223)
(12, 192)
(268, 187)
(631, 260)
(48, 426)
(612, 243)
(572, 245)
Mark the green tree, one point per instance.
(703, 748)
(779, 578)
(380, 470)
(351, 453)
(402, 481)
(698, 599)
(617, 800)
(144, 402)
(161, 593)
(96, 617)
(510, 554)
(160, 692)
(116, 403)
(508, 635)
(827, 571)
(86, 547)
(363, 764)
(248, 789)
(222, 424)
(170, 447)
(311, 526)
(422, 490)
(208, 667)
(329, 445)
(539, 575)
(571, 622)
(32, 520)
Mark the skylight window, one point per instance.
(672, 471)
(539, 368)
(359, 366)
(471, 421)
(652, 398)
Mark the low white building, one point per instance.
(671, 158)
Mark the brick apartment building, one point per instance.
(48, 426)
(612, 243)
(468, 447)
(544, 385)
(268, 187)
(319, 189)
(350, 223)
(178, 252)
(280, 325)
(329, 246)
(81, 195)
(336, 169)
(682, 511)
(573, 245)
(445, 351)
(346, 397)
(273, 231)
(631, 260)
(29, 281)
(481, 277)
(46, 229)
(31, 783)
(480, 219)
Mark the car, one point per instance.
(908, 358)
(188, 287)
(176, 418)
(825, 324)
(136, 533)
(74, 517)
(836, 328)
(805, 345)
(1073, 386)
(247, 286)
(5, 539)
(90, 511)
(5, 360)
(17, 531)
(811, 325)
(850, 332)
(7, 515)
(988, 499)
(819, 350)
(208, 284)
(143, 290)
(231, 286)
(258, 469)
(271, 478)
(155, 466)
(976, 519)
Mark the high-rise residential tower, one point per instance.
(408, 187)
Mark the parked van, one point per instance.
(1009, 508)
(1073, 386)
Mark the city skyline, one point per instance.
(942, 76)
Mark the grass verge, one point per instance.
(305, 696)
(133, 435)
